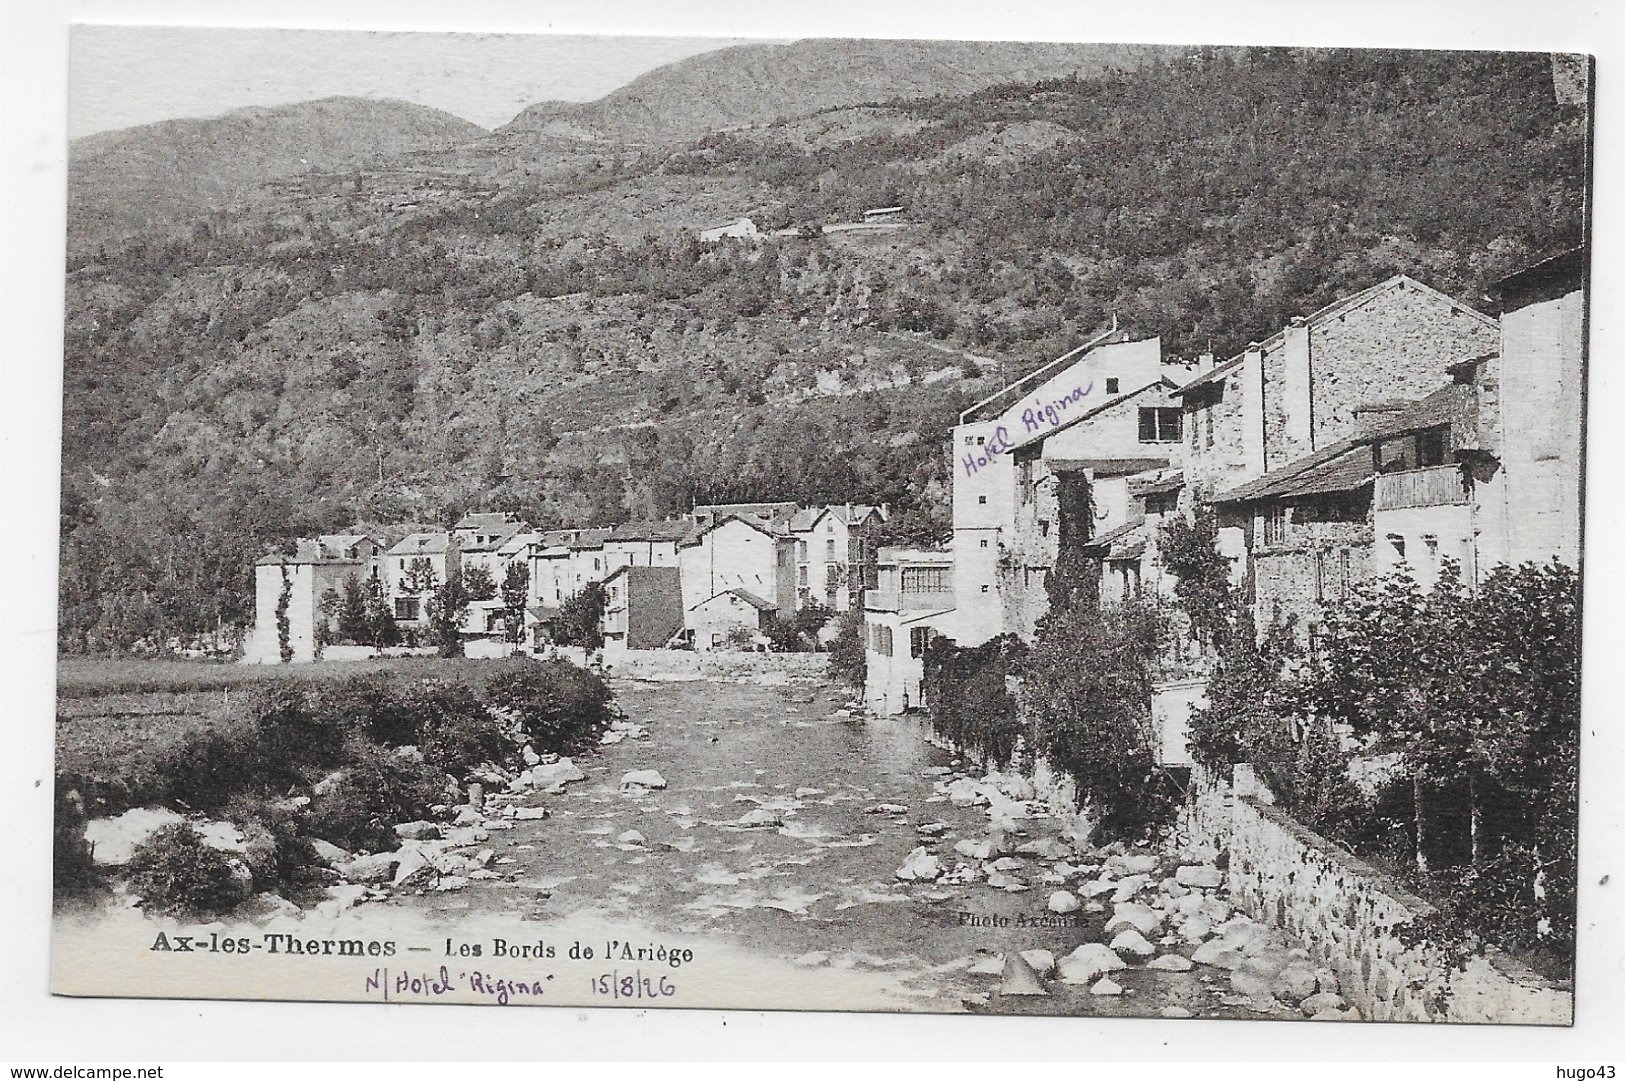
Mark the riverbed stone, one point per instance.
(920, 866)
(1322, 1000)
(1197, 877)
(1106, 986)
(1088, 961)
(116, 839)
(1129, 887)
(641, 778)
(1042, 961)
(1061, 902)
(1295, 982)
(1131, 942)
(1170, 962)
(974, 850)
(1141, 918)
(1019, 978)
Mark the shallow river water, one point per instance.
(771, 841)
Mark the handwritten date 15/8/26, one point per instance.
(619, 985)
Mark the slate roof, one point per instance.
(499, 535)
(1341, 467)
(1127, 541)
(745, 595)
(421, 544)
(486, 521)
(306, 552)
(674, 530)
(847, 513)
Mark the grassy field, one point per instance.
(112, 713)
(93, 677)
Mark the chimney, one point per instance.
(1297, 389)
(1204, 363)
(1250, 386)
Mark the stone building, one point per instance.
(835, 553)
(986, 487)
(413, 567)
(911, 604)
(739, 551)
(643, 607)
(300, 581)
(1303, 388)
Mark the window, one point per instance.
(970, 440)
(883, 643)
(1111, 385)
(981, 500)
(1320, 575)
(1024, 481)
(984, 589)
(829, 550)
(925, 580)
(1343, 573)
(1043, 527)
(1207, 425)
(1397, 542)
(984, 542)
(1161, 425)
(1431, 544)
(406, 608)
(1275, 525)
(803, 576)
(918, 639)
(980, 440)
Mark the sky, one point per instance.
(120, 76)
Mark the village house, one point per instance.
(643, 607)
(413, 568)
(985, 487)
(737, 552)
(297, 583)
(1074, 483)
(1127, 558)
(835, 553)
(911, 604)
(733, 619)
(645, 544)
(740, 229)
(481, 539)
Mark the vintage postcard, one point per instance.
(877, 525)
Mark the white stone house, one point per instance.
(835, 553)
(738, 552)
(911, 605)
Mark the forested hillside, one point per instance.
(372, 347)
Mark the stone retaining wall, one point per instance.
(714, 664)
(1346, 913)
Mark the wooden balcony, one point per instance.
(1436, 486)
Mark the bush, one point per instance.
(558, 705)
(847, 663)
(73, 871)
(1087, 683)
(176, 873)
(371, 705)
(293, 727)
(378, 790)
(458, 746)
(969, 703)
(204, 769)
(279, 856)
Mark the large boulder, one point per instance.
(1134, 915)
(1129, 887)
(371, 868)
(1295, 982)
(1321, 1000)
(114, 840)
(1043, 961)
(1087, 962)
(1062, 902)
(1216, 953)
(1132, 942)
(553, 776)
(1170, 962)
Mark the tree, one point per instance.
(420, 577)
(447, 609)
(1190, 552)
(515, 593)
(380, 621)
(1087, 685)
(847, 661)
(580, 618)
(353, 624)
(479, 584)
(811, 618)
